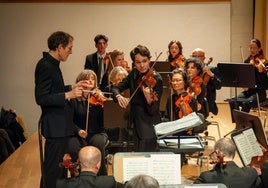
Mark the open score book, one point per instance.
(247, 145)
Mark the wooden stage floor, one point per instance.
(22, 168)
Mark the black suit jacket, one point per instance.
(93, 64)
(232, 176)
(89, 180)
(50, 91)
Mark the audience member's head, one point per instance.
(142, 181)
(90, 159)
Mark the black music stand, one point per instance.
(236, 75)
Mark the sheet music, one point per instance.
(165, 168)
(247, 145)
(189, 121)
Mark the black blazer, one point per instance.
(93, 64)
(89, 180)
(232, 176)
(50, 91)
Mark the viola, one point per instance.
(183, 103)
(178, 62)
(206, 77)
(71, 166)
(259, 62)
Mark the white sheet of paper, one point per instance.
(165, 168)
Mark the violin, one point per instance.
(126, 66)
(96, 97)
(148, 80)
(183, 103)
(178, 62)
(107, 60)
(206, 77)
(219, 161)
(195, 88)
(257, 161)
(67, 163)
(259, 62)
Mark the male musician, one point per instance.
(95, 61)
(90, 162)
(53, 97)
(226, 171)
(144, 99)
(213, 83)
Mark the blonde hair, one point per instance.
(116, 71)
(85, 74)
(116, 53)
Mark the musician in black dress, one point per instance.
(89, 120)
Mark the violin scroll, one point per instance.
(71, 166)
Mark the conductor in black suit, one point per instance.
(95, 61)
(54, 98)
(226, 171)
(90, 162)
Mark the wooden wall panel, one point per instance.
(107, 1)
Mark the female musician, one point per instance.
(175, 57)
(93, 133)
(182, 102)
(117, 58)
(196, 87)
(144, 107)
(248, 98)
(117, 75)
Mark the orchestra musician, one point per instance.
(180, 103)
(95, 61)
(89, 120)
(248, 97)
(226, 171)
(210, 78)
(117, 58)
(196, 87)
(175, 57)
(146, 87)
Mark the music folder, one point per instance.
(171, 127)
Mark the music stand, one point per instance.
(236, 75)
(244, 120)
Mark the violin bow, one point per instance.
(87, 116)
(171, 98)
(241, 53)
(143, 80)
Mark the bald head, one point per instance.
(90, 157)
(199, 53)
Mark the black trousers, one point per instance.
(55, 148)
(99, 140)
